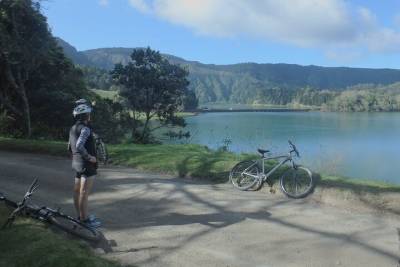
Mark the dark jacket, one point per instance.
(81, 142)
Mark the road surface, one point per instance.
(158, 220)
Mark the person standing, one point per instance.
(84, 163)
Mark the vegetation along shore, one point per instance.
(199, 162)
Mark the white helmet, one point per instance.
(81, 109)
(81, 101)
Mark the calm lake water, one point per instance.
(358, 145)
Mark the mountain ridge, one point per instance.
(272, 83)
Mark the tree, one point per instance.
(111, 121)
(25, 42)
(38, 84)
(152, 88)
(190, 101)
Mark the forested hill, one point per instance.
(247, 82)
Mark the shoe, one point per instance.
(92, 223)
(93, 217)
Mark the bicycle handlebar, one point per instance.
(294, 149)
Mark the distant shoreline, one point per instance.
(251, 110)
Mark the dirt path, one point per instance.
(156, 220)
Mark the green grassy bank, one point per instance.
(31, 243)
(183, 160)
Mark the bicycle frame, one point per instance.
(286, 158)
(37, 212)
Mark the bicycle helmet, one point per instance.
(82, 101)
(82, 109)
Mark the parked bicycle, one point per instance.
(48, 215)
(296, 181)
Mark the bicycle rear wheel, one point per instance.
(101, 152)
(74, 227)
(244, 175)
(297, 182)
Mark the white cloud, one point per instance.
(140, 5)
(327, 24)
(375, 37)
(103, 2)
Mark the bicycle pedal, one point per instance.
(272, 191)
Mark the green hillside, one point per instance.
(251, 83)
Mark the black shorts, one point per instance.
(86, 169)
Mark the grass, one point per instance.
(106, 94)
(185, 114)
(31, 243)
(183, 160)
(55, 148)
(358, 185)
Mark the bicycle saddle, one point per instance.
(262, 151)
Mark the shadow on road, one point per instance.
(128, 200)
(157, 212)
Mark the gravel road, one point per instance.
(158, 220)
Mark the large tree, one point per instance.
(25, 41)
(152, 88)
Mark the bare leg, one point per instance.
(86, 186)
(77, 192)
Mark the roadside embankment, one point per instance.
(31, 243)
(196, 161)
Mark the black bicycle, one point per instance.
(48, 215)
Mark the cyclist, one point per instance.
(82, 146)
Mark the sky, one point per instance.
(353, 33)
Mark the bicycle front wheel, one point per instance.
(245, 174)
(297, 182)
(74, 227)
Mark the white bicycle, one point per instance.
(295, 182)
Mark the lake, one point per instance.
(357, 145)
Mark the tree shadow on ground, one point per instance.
(204, 166)
(216, 217)
(161, 209)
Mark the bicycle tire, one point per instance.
(74, 227)
(101, 152)
(10, 204)
(298, 179)
(239, 179)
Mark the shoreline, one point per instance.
(199, 163)
(198, 111)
